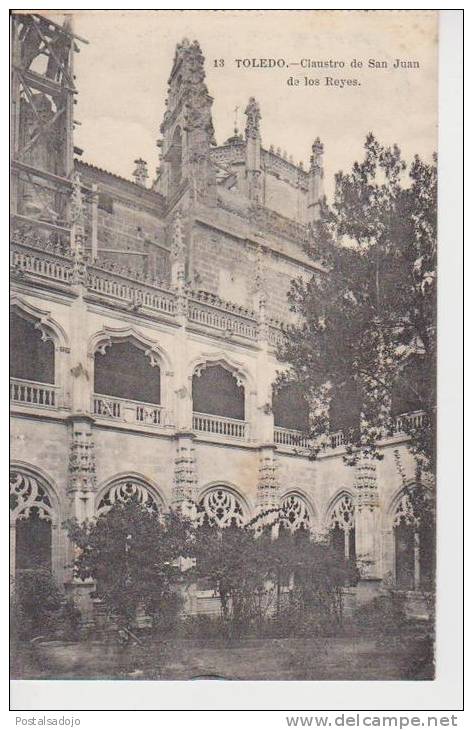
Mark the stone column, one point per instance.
(184, 491)
(81, 493)
(367, 525)
(264, 422)
(82, 474)
(182, 379)
(268, 489)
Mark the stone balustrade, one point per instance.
(32, 255)
(29, 392)
(25, 259)
(127, 411)
(211, 311)
(408, 421)
(138, 293)
(220, 426)
(291, 437)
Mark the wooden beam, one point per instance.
(60, 28)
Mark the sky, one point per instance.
(122, 80)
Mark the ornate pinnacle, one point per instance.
(77, 206)
(177, 244)
(141, 172)
(79, 272)
(253, 117)
(317, 154)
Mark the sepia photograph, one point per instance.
(223, 345)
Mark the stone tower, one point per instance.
(187, 128)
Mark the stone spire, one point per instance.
(253, 151)
(316, 178)
(187, 127)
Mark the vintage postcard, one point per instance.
(223, 345)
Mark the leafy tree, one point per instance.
(232, 560)
(133, 554)
(367, 319)
(313, 573)
(259, 578)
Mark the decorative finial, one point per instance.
(141, 172)
(317, 155)
(317, 147)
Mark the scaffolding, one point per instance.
(43, 95)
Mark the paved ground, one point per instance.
(247, 659)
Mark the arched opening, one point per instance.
(290, 408)
(33, 544)
(415, 386)
(294, 514)
(414, 540)
(217, 392)
(345, 409)
(220, 508)
(31, 354)
(342, 528)
(124, 371)
(125, 490)
(31, 520)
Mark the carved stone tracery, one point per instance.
(405, 513)
(343, 514)
(294, 513)
(221, 508)
(27, 494)
(125, 490)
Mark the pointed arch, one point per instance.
(411, 533)
(297, 511)
(339, 495)
(122, 487)
(399, 494)
(34, 519)
(340, 519)
(222, 505)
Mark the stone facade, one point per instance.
(194, 272)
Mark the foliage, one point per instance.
(259, 579)
(234, 564)
(39, 608)
(133, 555)
(367, 319)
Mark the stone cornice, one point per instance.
(244, 233)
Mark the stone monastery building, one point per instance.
(145, 321)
